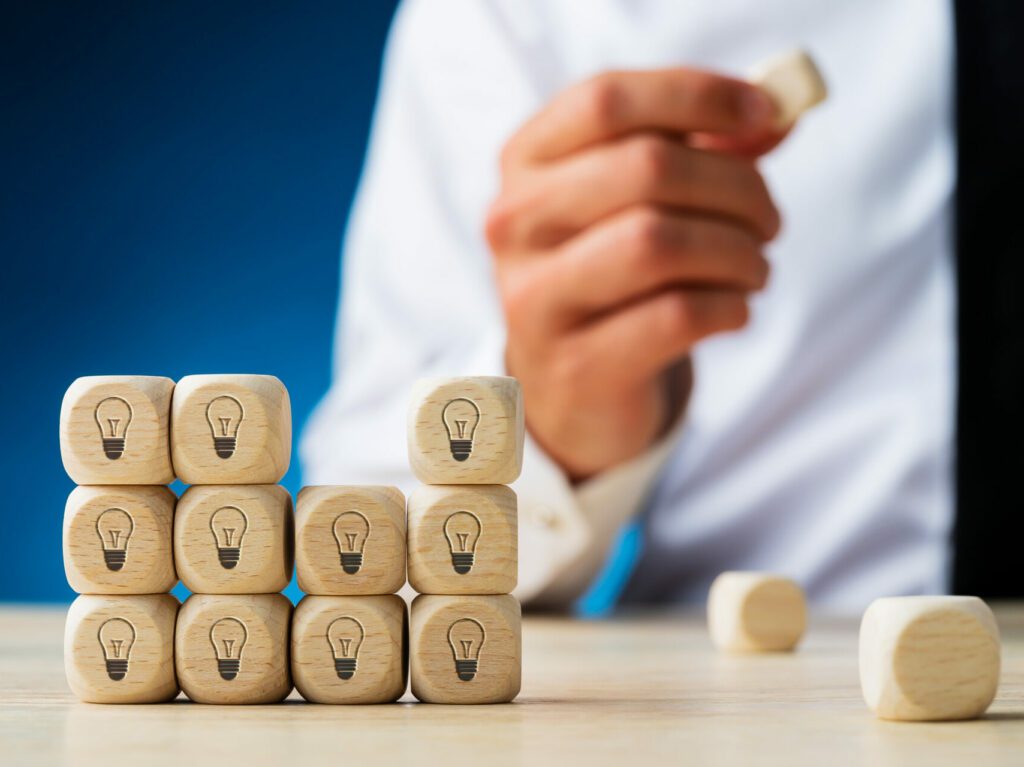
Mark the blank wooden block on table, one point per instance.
(754, 612)
(466, 430)
(120, 649)
(234, 648)
(350, 649)
(114, 430)
(465, 649)
(117, 539)
(463, 539)
(929, 658)
(231, 429)
(794, 83)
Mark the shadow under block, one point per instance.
(929, 658)
(350, 540)
(465, 649)
(231, 430)
(350, 649)
(117, 539)
(466, 431)
(463, 539)
(234, 539)
(793, 82)
(756, 612)
(234, 648)
(120, 649)
(114, 430)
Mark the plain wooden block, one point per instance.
(350, 539)
(231, 430)
(794, 83)
(114, 430)
(466, 431)
(752, 611)
(120, 649)
(350, 649)
(117, 539)
(463, 539)
(929, 658)
(465, 649)
(233, 648)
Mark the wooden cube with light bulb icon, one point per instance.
(233, 648)
(231, 429)
(234, 539)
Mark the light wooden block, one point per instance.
(465, 649)
(794, 83)
(120, 649)
(463, 539)
(929, 658)
(756, 612)
(466, 431)
(350, 540)
(117, 539)
(234, 648)
(350, 649)
(231, 430)
(114, 430)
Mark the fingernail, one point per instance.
(756, 107)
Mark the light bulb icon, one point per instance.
(351, 529)
(462, 529)
(466, 636)
(461, 416)
(116, 637)
(113, 416)
(228, 637)
(225, 415)
(114, 527)
(228, 524)
(345, 636)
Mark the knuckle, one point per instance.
(651, 159)
(602, 99)
(501, 222)
(678, 315)
(517, 291)
(645, 236)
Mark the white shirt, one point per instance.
(818, 440)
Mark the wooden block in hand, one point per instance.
(350, 540)
(465, 649)
(120, 649)
(794, 84)
(466, 431)
(231, 430)
(234, 539)
(114, 430)
(117, 539)
(463, 539)
(751, 612)
(929, 658)
(234, 648)
(350, 649)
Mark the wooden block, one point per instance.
(234, 539)
(752, 612)
(465, 649)
(231, 430)
(466, 431)
(117, 539)
(120, 649)
(794, 83)
(350, 540)
(114, 430)
(350, 649)
(463, 539)
(234, 648)
(929, 658)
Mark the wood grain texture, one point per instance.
(120, 649)
(794, 83)
(234, 648)
(463, 539)
(234, 539)
(756, 612)
(231, 430)
(929, 658)
(351, 649)
(466, 430)
(117, 539)
(350, 540)
(115, 430)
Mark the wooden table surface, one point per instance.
(638, 690)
